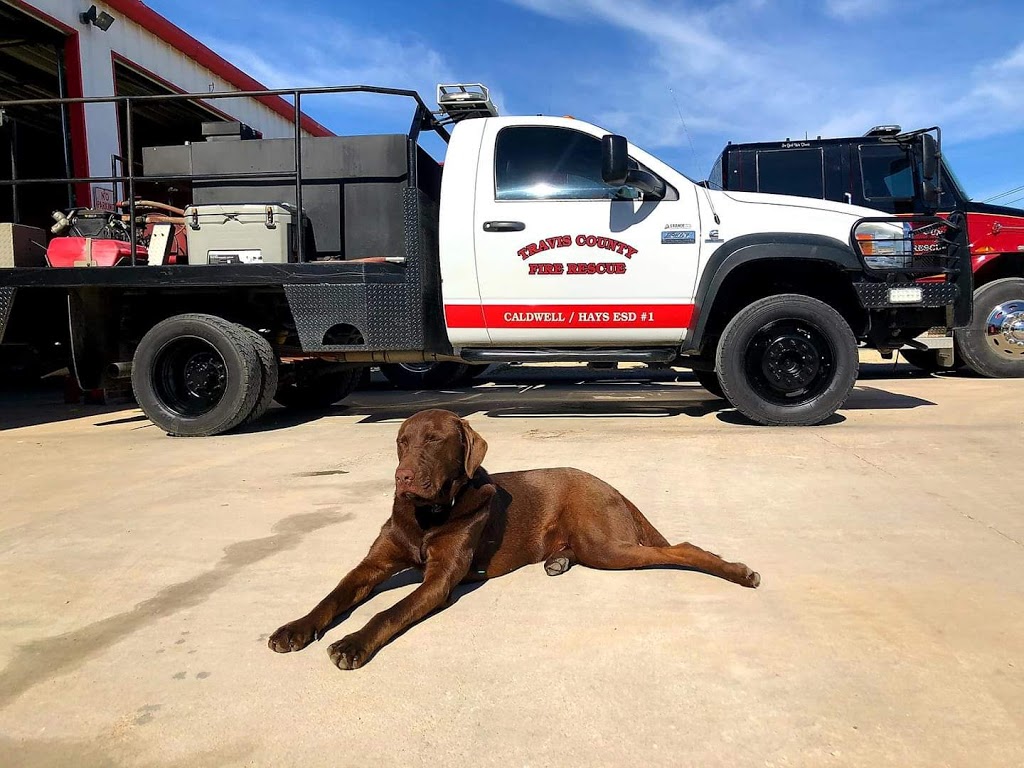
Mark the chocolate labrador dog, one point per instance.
(456, 523)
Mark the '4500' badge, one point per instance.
(678, 237)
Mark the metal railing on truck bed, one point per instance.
(423, 118)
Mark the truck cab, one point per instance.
(886, 169)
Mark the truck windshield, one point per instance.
(952, 181)
(887, 172)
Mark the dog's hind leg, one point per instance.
(618, 556)
(560, 562)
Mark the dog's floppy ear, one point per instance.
(476, 448)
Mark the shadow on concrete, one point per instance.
(44, 659)
(34, 407)
(509, 392)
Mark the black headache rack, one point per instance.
(926, 265)
(323, 296)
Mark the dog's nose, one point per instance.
(404, 476)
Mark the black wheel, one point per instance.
(993, 344)
(314, 385)
(925, 359)
(787, 360)
(196, 375)
(472, 372)
(268, 366)
(424, 375)
(709, 380)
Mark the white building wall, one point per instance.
(138, 45)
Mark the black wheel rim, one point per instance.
(789, 362)
(190, 376)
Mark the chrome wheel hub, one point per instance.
(1004, 328)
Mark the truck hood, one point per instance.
(805, 203)
(748, 213)
(994, 210)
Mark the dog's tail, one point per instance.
(649, 535)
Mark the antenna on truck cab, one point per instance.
(463, 101)
(707, 194)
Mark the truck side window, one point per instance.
(886, 171)
(797, 172)
(548, 163)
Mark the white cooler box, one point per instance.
(241, 233)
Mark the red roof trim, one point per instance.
(153, 22)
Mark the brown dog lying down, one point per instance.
(457, 523)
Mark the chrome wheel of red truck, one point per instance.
(993, 344)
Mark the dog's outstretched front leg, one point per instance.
(449, 558)
(383, 561)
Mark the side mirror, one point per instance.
(929, 157)
(615, 169)
(614, 160)
(929, 170)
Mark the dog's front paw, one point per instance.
(293, 636)
(751, 578)
(349, 653)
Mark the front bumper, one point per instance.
(880, 295)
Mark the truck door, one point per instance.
(563, 258)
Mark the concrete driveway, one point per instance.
(142, 575)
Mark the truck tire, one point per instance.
(993, 344)
(473, 372)
(787, 360)
(315, 385)
(424, 375)
(196, 375)
(269, 379)
(709, 380)
(924, 359)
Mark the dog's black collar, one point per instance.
(440, 510)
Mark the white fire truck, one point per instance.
(543, 239)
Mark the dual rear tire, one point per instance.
(197, 375)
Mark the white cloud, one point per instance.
(756, 81)
(319, 51)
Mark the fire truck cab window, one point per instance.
(886, 171)
(541, 163)
(791, 172)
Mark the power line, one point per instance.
(1004, 194)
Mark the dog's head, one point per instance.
(437, 455)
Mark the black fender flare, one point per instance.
(763, 246)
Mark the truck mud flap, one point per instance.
(7, 295)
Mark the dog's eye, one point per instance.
(432, 439)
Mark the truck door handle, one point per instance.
(504, 226)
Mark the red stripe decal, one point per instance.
(568, 315)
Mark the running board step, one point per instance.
(575, 355)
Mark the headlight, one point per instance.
(885, 246)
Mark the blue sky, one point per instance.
(741, 70)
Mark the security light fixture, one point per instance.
(99, 19)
